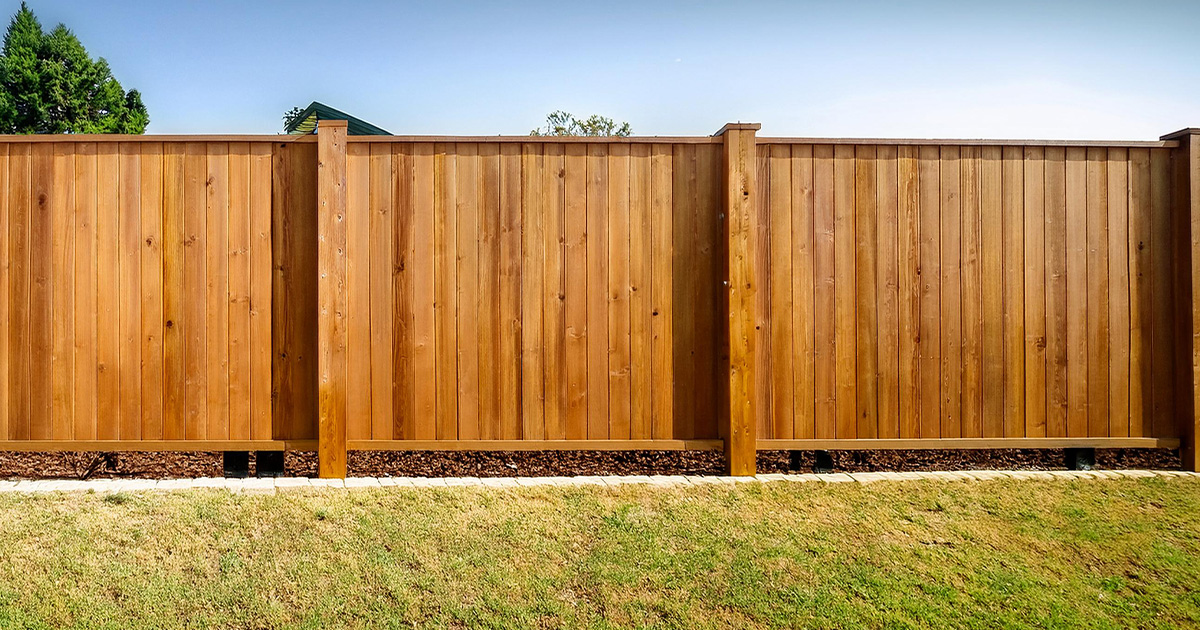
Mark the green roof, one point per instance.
(306, 122)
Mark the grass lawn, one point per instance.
(1001, 554)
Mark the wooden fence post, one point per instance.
(738, 426)
(331, 297)
(1185, 195)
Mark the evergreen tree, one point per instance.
(49, 84)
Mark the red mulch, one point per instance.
(555, 463)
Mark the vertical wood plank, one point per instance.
(620, 353)
(238, 251)
(150, 180)
(845, 363)
(467, 313)
(331, 292)
(1141, 313)
(108, 223)
(803, 276)
(511, 236)
(260, 288)
(358, 291)
(739, 205)
(61, 279)
(445, 273)
(711, 380)
(195, 283)
(489, 291)
(951, 292)
(824, 313)
(764, 385)
(972, 292)
(866, 307)
(887, 291)
(1035, 293)
(1097, 291)
(18, 331)
(382, 302)
(532, 265)
(174, 237)
(130, 250)
(576, 295)
(1118, 292)
(84, 212)
(403, 348)
(1013, 198)
(6, 351)
(640, 298)
(425, 368)
(909, 244)
(991, 235)
(929, 195)
(1077, 340)
(40, 296)
(215, 323)
(777, 191)
(661, 220)
(597, 289)
(1162, 290)
(1056, 292)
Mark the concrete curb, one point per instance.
(291, 484)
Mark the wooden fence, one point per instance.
(331, 293)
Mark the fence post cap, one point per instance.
(738, 126)
(1186, 131)
(332, 123)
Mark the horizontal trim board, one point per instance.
(114, 137)
(157, 445)
(964, 443)
(535, 445)
(547, 139)
(953, 142)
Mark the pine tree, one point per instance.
(49, 84)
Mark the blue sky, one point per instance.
(1011, 69)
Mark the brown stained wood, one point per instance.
(382, 302)
(18, 332)
(824, 313)
(173, 290)
(1056, 292)
(1118, 277)
(467, 294)
(1162, 291)
(866, 267)
(929, 198)
(764, 318)
(5, 283)
(358, 291)
(40, 298)
(84, 216)
(554, 290)
(1035, 292)
(972, 292)
(991, 244)
(620, 353)
(403, 251)
(576, 295)
(215, 324)
(489, 292)
(803, 275)
(511, 236)
(909, 291)
(445, 273)
(238, 251)
(1141, 313)
(1097, 292)
(1012, 200)
(1077, 340)
(425, 368)
(951, 324)
(130, 316)
(532, 267)
(331, 299)
(641, 312)
(777, 191)
(260, 287)
(195, 284)
(739, 203)
(662, 291)
(845, 353)
(62, 300)
(711, 378)
(597, 289)
(150, 181)
(887, 286)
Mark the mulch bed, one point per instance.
(73, 465)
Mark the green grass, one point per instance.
(1029, 554)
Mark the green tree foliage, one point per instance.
(291, 115)
(49, 84)
(561, 123)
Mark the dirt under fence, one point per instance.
(76, 465)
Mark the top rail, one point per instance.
(1131, 144)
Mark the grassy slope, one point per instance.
(1084, 554)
